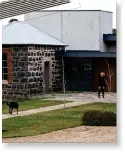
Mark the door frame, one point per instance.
(50, 73)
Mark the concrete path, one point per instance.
(44, 109)
(84, 96)
(78, 98)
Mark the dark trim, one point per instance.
(27, 45)
(34, 45)
(59, 49)
(85, 53)
(109, 38)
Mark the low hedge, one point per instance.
(99, 118)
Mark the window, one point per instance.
(6, 66)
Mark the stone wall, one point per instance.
(57, 73)
(18, 88)
(37, 56)
(28, 72)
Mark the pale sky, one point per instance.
(106, 5)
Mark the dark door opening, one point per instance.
(46, 75)
(79, 74)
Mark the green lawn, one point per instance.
(49, 121)
(32, 104)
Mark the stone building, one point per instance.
(31, 61)
(91, 43)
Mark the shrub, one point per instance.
(98, 118)
(108, 119)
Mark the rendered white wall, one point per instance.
(81, 30)
(49, 22)
(105, 28)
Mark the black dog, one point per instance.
(13, 105)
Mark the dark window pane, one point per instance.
(2, 77)
(4, 64)
(4, 56)
(5, 70)
(5, 77)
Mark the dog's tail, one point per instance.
(8, 103)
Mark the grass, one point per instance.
(32, 104)
(41, 123)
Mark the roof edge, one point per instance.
(31, 43)
(35, 44)
(47, 33)
(73, 10)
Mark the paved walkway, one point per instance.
(85, 96)
(78, 98)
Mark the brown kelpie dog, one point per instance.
(13, 105)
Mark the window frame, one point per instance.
(8, 51)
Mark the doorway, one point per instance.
(46, 75)
(79, 73)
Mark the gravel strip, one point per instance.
(82, 134)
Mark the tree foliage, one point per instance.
(114, 31)
(12, 20)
